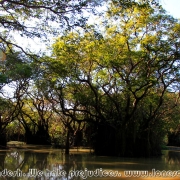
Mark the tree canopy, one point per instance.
(115, 78)
(120, 78)
(40, 19)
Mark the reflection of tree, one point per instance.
(34, 160)
(2, 159)
(73, 162)
(14, 159)
(42, 159)
(23, 160)
(173, 157)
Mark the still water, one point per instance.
(45, 163)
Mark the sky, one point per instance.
(172, 7)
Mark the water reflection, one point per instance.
(172, 158)
(2, 159)
(48, 162)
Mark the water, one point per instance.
(44, 163)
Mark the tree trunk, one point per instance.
(3, 141)
(67, 143)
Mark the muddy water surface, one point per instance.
(45, 163)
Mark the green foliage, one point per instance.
(17, 62)
(40, 19)
(120, 80)
(4, 105)
(3, 79)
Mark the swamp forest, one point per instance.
(107, 76)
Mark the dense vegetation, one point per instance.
(112, 85)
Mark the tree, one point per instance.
(70, 122)
(42, 111)
(39, 19)
(8, 113)
(17, 74)
(172, 120)
(32, 19)
(118, 79)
